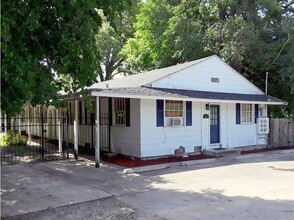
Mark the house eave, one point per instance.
(134, 96)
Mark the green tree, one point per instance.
(253, 36)
(148, 49)
(111, 39)
(48, 46)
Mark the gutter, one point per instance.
(117, 95)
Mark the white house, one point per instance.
(200, 104)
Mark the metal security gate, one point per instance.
(104, 132)
(26, 138)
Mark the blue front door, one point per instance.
(214, 124)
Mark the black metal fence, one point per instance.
(33, 138)
(48, 137)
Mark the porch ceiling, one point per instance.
(187, 95)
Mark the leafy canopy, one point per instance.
(48, 46)
(254, 37)
(110, 40)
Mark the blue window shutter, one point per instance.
(238, 113)
(128, 124)
(188, 113)
(256, 112)
(159, 113)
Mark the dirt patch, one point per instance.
(129, 162)
(266, 149)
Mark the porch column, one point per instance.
(97, 133)
(76, 146)
(59, 124)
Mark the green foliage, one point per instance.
(111, 39)
(13, 139)
(254, 37)
(147, 50)
(49, 46)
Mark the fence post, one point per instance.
(67, 136)
(42, 132)
(59, 124)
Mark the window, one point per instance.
(246, 113)
(119, 111)
(214, 115)
(173, 112)
(173, 108)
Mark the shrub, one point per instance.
(13, 139)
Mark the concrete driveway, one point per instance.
(246, 187)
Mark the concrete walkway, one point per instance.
(243, 187)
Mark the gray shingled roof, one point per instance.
(145, 78)
(189, 94)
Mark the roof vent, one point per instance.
(107, 86)
(215, 80)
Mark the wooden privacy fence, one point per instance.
(281, 132)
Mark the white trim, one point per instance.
(116, 95)
(252, 114)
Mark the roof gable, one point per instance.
(194, 75)
(211, 75)
(145, 78)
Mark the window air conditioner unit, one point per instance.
(176, 122)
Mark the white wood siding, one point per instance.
(157, 141)
(198, 77)
(126, 140)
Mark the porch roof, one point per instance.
(186, 95)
